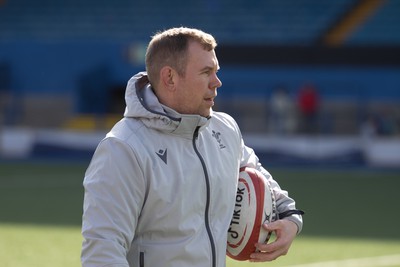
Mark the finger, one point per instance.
(269, 252)
(264, 256)
(271, 247)
(272, 226)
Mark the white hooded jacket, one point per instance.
(160, 189)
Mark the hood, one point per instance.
(143, 104)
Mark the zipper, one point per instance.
(207, 210)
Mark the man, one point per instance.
(161, 186)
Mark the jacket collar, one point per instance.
(143, 104)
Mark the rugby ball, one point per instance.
(254, 205)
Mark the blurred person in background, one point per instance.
(369, 127)
(160, 189)
(282, 113)
(308, 102)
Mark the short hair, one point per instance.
(169, 48)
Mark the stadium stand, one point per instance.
(350, 21)
(57, 49)
(5, 94)
(382, 28)
(238, 21)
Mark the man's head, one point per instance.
(182, 68)
(170, 48)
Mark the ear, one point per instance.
(167, 77)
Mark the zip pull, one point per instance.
(196, 133)
(141, 259)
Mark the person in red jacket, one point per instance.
(308, 102)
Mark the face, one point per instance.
(196, 91)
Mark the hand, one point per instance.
(285, 231)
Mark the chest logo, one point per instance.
(217, 136)
(162, 154)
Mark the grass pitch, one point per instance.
(39, 245)
(350, 214)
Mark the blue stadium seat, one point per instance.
(233, 22)
(381, 29)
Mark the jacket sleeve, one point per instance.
(114, 192)
(283, 201)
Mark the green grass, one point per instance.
(39, 246)
(40, 193)
(348, 203)
(320, 249)
(349, 214)
(50, 246)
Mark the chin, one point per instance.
(207, 114)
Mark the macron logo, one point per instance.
(162, 154)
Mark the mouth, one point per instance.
(210, 100)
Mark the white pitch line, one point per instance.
(388, 260)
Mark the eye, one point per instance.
(207, 72)
(210, 71)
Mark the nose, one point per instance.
(216, 82)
